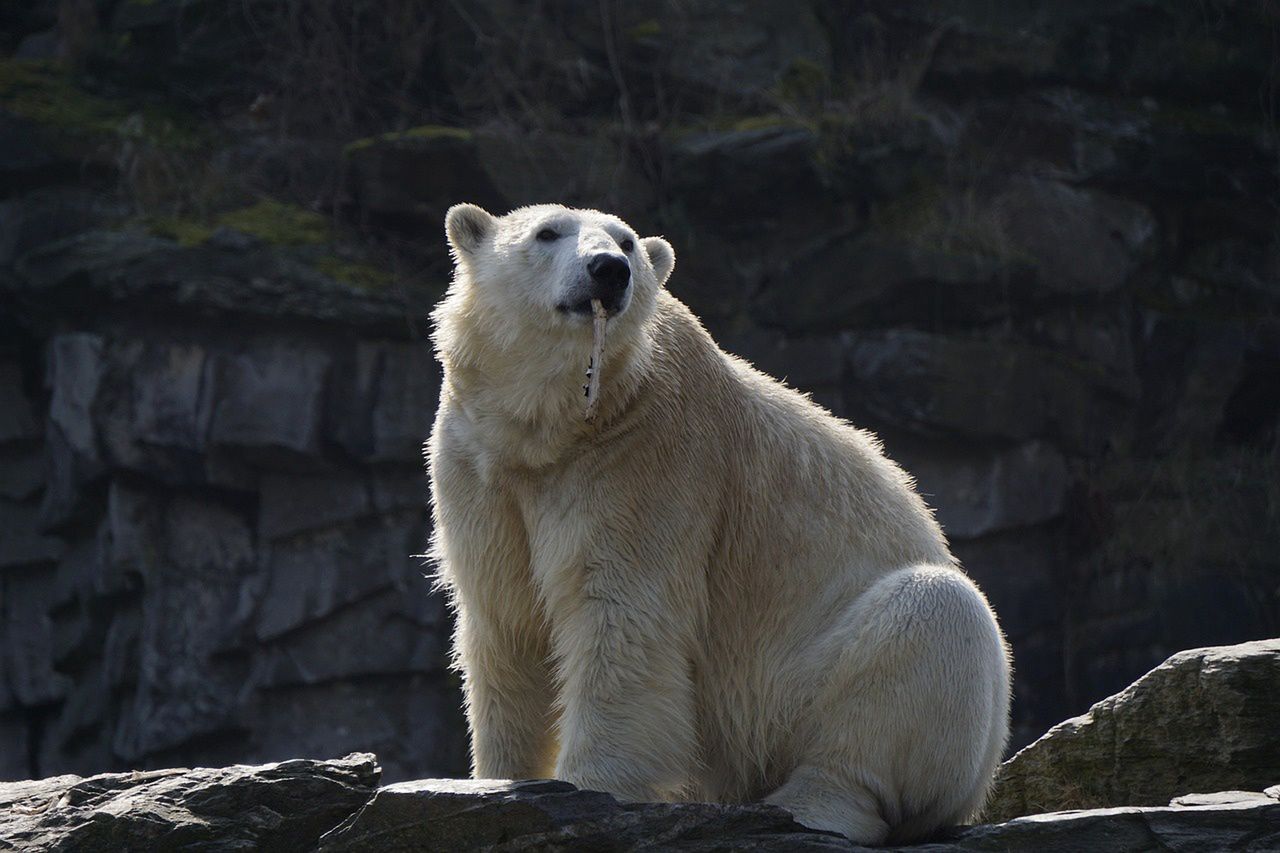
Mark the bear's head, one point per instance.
(544, 264)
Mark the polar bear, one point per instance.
(714, 590)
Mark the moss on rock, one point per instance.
(424, 132)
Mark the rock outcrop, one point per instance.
(1204, 720)
(1033, 248)
(277, 807)
(331, 807)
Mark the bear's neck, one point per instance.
(522, 393)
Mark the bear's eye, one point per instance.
(627, 245)
(546, 235)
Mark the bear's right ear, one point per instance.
(661, 255)
(467, 226)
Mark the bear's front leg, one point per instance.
(623, 641)
(507, 686)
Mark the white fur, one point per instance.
(715, 591)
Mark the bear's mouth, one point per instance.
(582, 307)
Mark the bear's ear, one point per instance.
(661, 255)
(467, 226)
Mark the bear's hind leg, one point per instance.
(905, 736)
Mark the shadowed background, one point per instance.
(1035, 246)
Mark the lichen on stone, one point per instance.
(426, 131)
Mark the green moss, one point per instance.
(804, 84)
(269, 220)
(279, 223)
(46, 94)
(185, 231)
(649, 29)
(426, 131)
(764, 122)
(363, 276)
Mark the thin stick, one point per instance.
(600, 319)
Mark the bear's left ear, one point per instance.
(467, 226)
(661, 255)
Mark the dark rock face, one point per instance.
(1121, 754)
(1032, 247)
(1204, 720)
(333, 806)
(285, 806)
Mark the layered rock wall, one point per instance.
(1035, 249)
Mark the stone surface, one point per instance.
(1081, 241)
(17, 423)
(979, 389)
(270, 399)
(1021, 236)
(978, 493)
(489, 815)
(309, 578)
(1205, 720)
(104, 267)
(284, 806)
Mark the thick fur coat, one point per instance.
(716, 590)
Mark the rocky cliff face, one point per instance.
(338, 806)
(1034, 248)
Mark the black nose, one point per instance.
(611, 273)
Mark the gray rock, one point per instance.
(807, 363)
(171, 406)
(389, 633)
(311, 577)
(529, 167)
(269, 400)
(27, 630)
(707, 169)
(400, 488)
(22, 473)
(414, 722)
(75, 372)
(934, 383)
(408, 180)
(43, 216)
(1252, 824)
(384, 401)
(292, 503)
(23, 543)
(881, 277)
(74, 375)
(482, 814)
(1204, 720)
(188, 612)
(740, 52)
(978, 493)
(408, 391)
(14, 737)
(130, 268)
(285, 807)
(495, 815)
(1082, 241)
(16, 420)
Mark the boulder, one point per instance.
(1203, 721)
(131, 268)
(882, 277)
(1081, 241)
(269, 401)
(441, 814)
(16, 421)
(284, 806)
(930, 383)
(311, 576)
(976, 493)
(332, 806)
